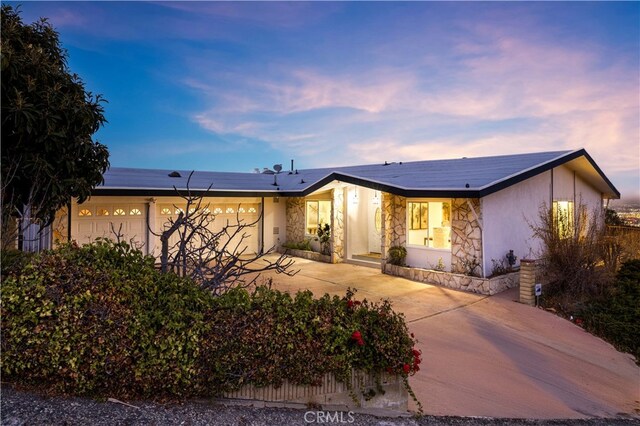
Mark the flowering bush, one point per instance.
(100, 320)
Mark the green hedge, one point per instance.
(100, 320)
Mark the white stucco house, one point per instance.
(448, 214)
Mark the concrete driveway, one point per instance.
(491, 356)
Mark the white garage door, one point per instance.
(247, 213)
(107, 220)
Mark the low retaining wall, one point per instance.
(305, 254)
(332, 393)
(487, 286)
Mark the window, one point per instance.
(119, 212)
(318, 213)
(102, 212)
(429, 224)
(252, 209)
(135, 212)
(563, 217)
(84, 213)
(229, 210)
(166, 211)
(241, 210)
(217, 210)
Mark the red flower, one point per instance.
(416, 368)
(357, 302)
(360, 342)
(406, 368)
(350, 303)
(356, 335)
(578, 321)
(416, 353)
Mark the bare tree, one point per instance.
(215, 259)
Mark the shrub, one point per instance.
(100, 320)
(397, 255)
(13, 260)
(324, 236)
(616, 316)
(572, 253)
(302, 245)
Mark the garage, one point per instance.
(225, 212)
(133, 217)
(100, 220)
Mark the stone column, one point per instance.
(295, 219)
(527, 281)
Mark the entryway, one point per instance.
(363, 226)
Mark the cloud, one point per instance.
(503, 92)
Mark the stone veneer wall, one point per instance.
(466, 235)
(295, 219)
(394, 223)
(487, 286)
(337, 225)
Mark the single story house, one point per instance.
(454, 217)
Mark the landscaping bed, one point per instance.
(101, 321)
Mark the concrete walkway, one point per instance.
(491, 356)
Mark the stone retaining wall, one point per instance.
(305, 254)
(488, 286)
(333, 393)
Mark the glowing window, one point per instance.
(84, 213)
(252, 209)
(119, 212)
(563, 217)
(206, 210)
(192, 210)
(165, 211)
(241, 210)
(135, 212)
(217, 210)
(229, 210)
(429, 224)
(102, 212)
(179, 210)
(318, 213)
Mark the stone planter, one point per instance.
(310, 255)
(330, 394)
(488, 286)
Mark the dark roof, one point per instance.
(462, 177)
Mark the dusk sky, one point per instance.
(233, 86)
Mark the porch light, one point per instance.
(376, 198)
(354, 196)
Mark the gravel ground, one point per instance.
(26, 408)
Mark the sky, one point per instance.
(231, 86)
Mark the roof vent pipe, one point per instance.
(292, 165)
(174, 174)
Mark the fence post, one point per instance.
(527, 281)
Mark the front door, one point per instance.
(375, 222)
